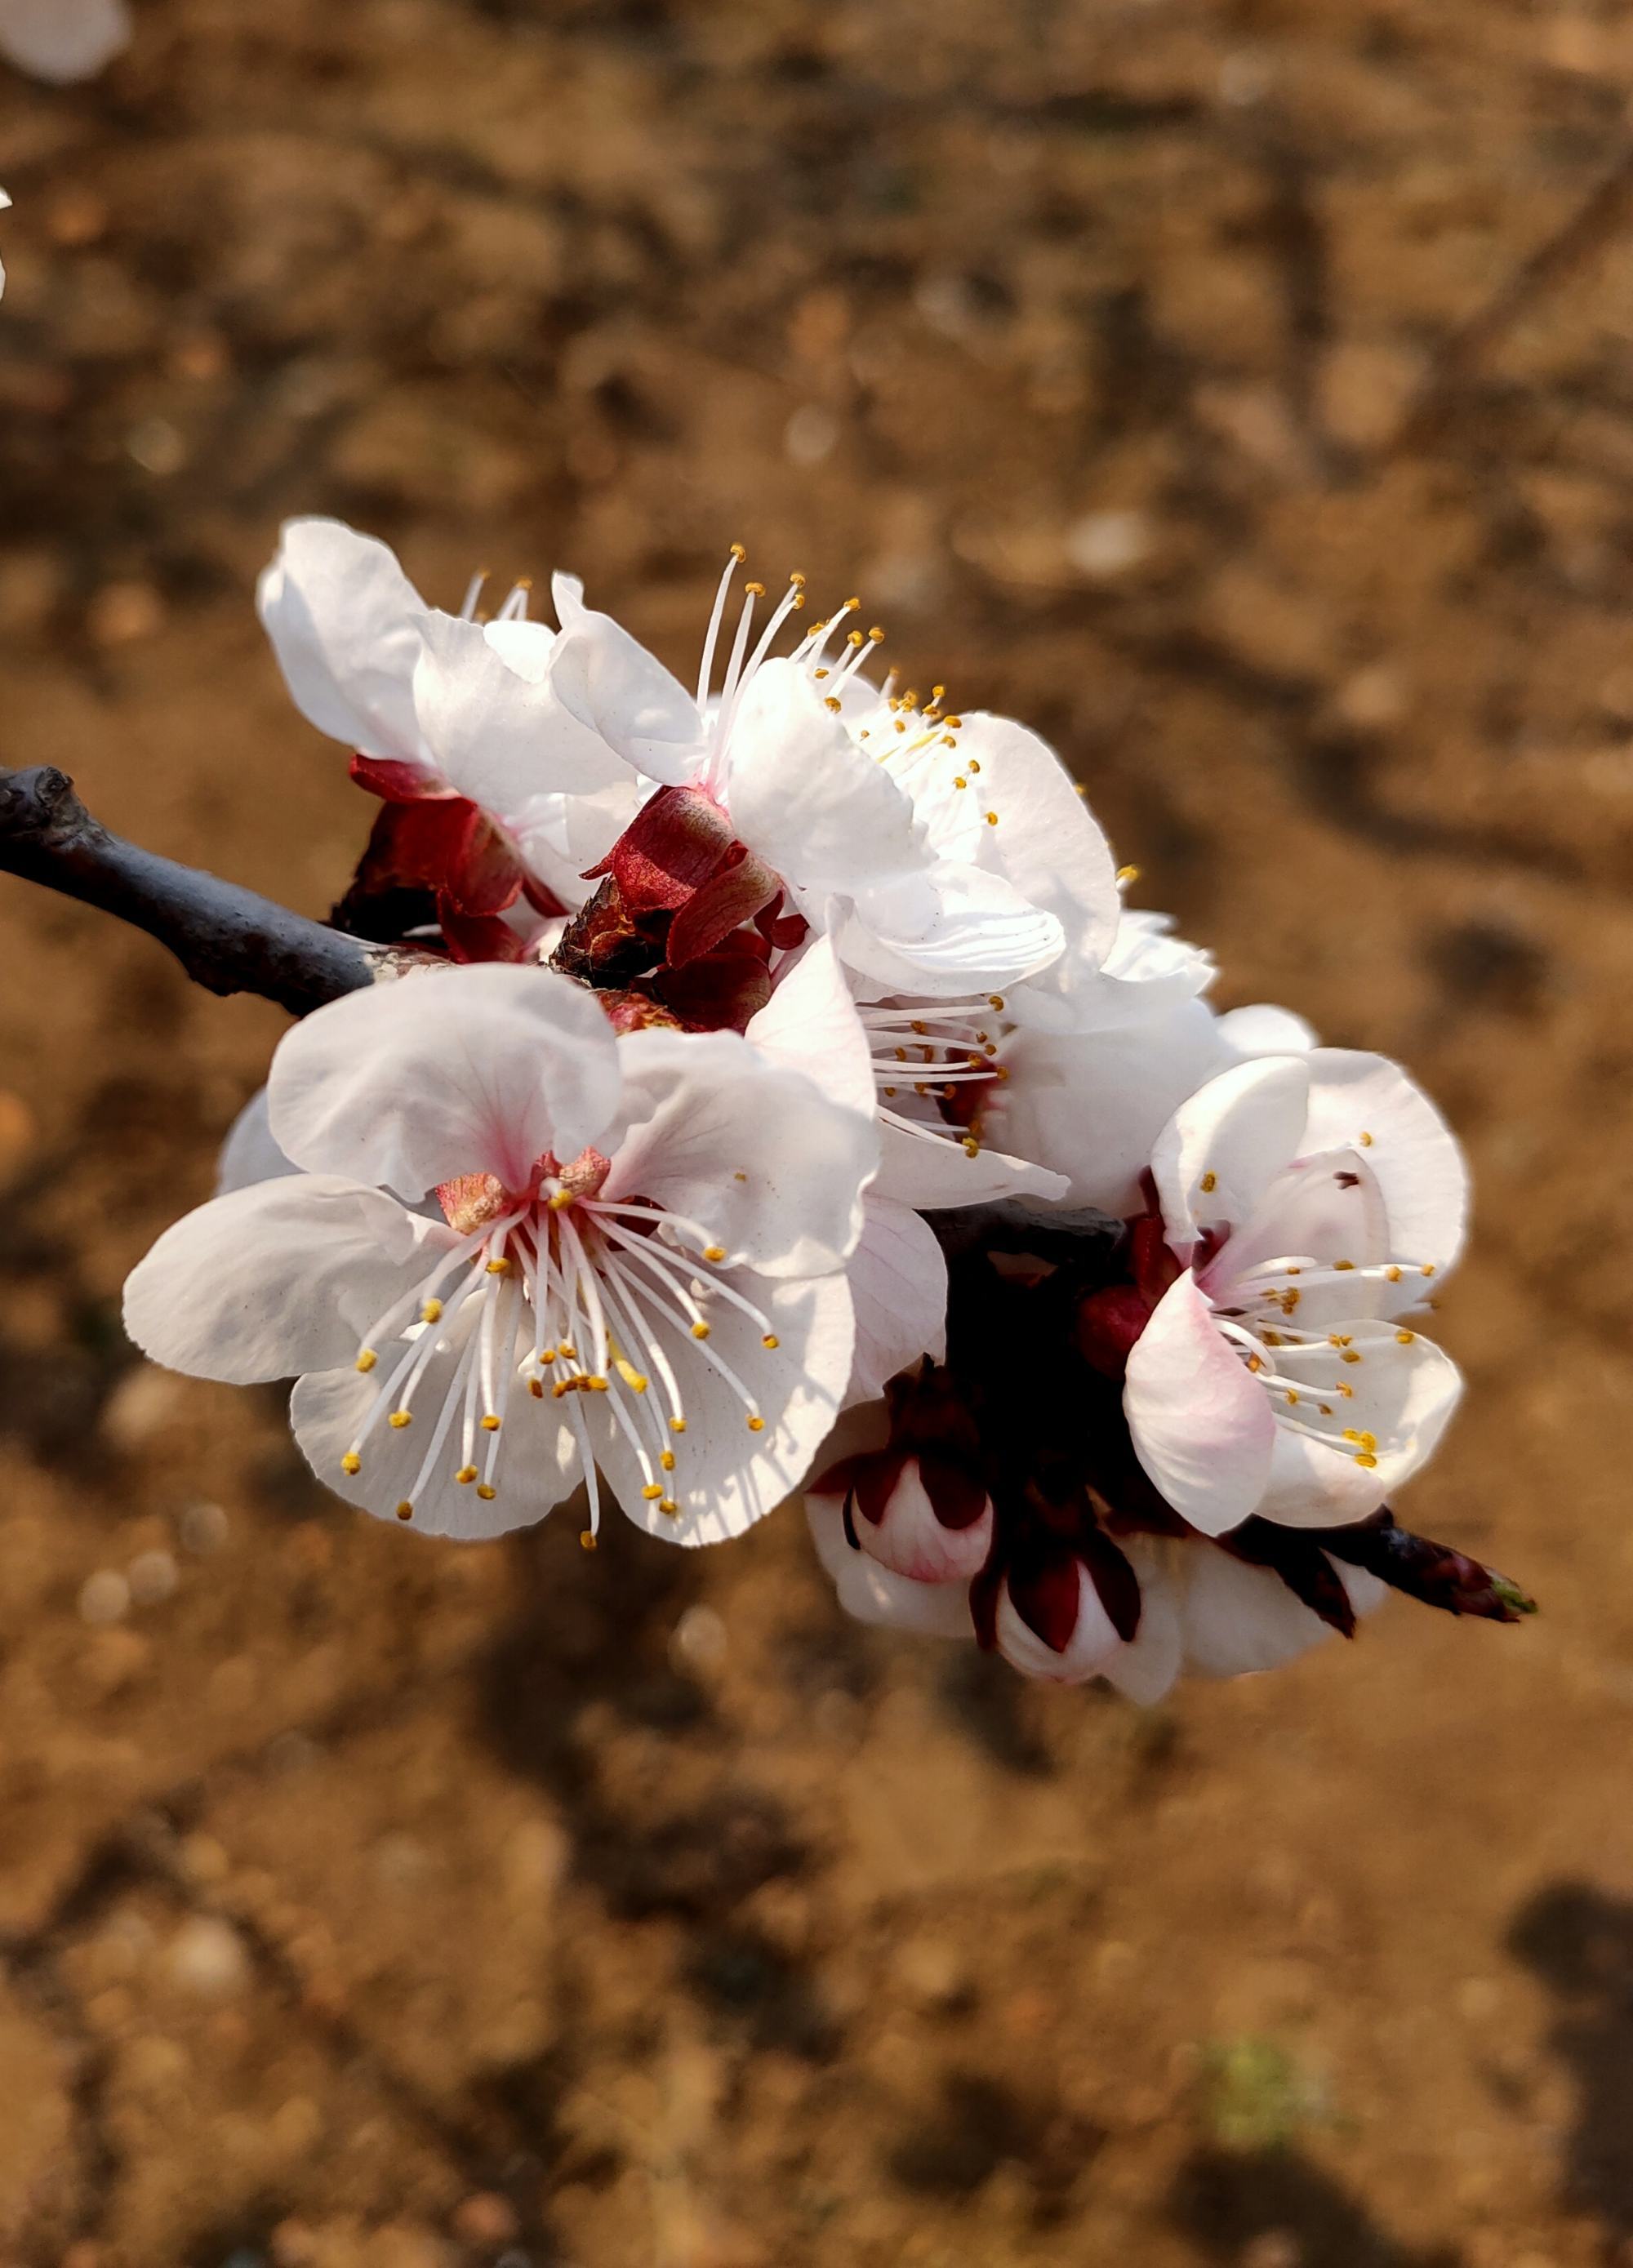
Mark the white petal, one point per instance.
(62, 41)
(1324, 1209)
(249, 1154)
(1402, 1394)
(491, 721)
(1236, 1618)
(1201, 1427)
(1094, 1643)
(931, 1170)
(1090, 1106)
(1226, 1145)
(346, 625)
(1047, 843)
(899, 1285)
(726, 1477)
(1264, 1029)
(560, 837)
(872, 1593)
(810, 1024)
(458, 1071)
(754, 1154)
(955, 930)
(283, 1276)
(609, 683)
(1412, 1152)
(540, 1467)
(1144, 1668)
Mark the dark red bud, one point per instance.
(1107, 1325)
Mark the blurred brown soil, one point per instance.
(1240, 393)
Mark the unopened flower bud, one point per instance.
(933, 1525)
(1052, 1623)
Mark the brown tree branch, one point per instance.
(227, 938)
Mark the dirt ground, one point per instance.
(1243, 394)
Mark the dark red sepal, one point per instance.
(476, 936)
(670, 849)
(720, 990)
(740, 885)
(958, 1496)
(1433, 1572)
(1108, 1324)
(398, 783)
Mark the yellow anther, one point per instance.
(974, 765)
(1394, 1274)
(367, 1359)
(666, 1458)
(992, 818)
(739, 553)
(490, 1422)
(798, 580)
(652, 1492)
(636, 1381)
(960, 781)
(756, 1424)
(1343, 1266)
(1350, 1355)
(535, 1387)
(352, 1463)
(1428, 1268)
(954, 723)
(597, 1384)
(700, 1330)
(832, 701)
(562, 1199)
(466, 1474)
(1367, 1141)
(1348, 1392)
(739, 1175)
(1256, 1362)
(970, 1147)
(850, 606)
(1366, 1457)
(821, 673)
(405, 1510)
(995, 1000)
(947, 740)
(677, 1424)
(856, 637)
(485, 1493)
(500, 1267)
(1125, 875)
(667, 1504)
(1210, 1183)
(586, 1539)
(1404, 1338)
(562, 1386)
(755, 590)
(1291, 1395)
(1078, 788)
(431, 1312)
(399, 1418)
(771, 1340)
(714, 1252)
(876, 634)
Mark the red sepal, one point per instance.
(398, 783)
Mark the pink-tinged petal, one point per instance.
(1366, 1102)
(282, 1276)
(540, 1468)
(249, 1154)
(346, 625)
(1226, 1144)
(872, 1594)
(1403, 1393)
(455, 1071)
(757, 1155)
(492, 721)
(899, 1285)
(1201, 1427)
(613, 686)
(62, 42)
(726, 1475)
(810, 1024)
(1089, 1105)
(1091, 1644)
(910, 1540)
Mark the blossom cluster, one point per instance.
(783, 1096)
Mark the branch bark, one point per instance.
(227, 938)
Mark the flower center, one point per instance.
(935, 1064)
(569, 1294)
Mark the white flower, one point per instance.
(1205, 1614)
(858, 825)
(61, 41)
(410, 688)
(640, 1264)
(874, 1593)
(4, 205)
(1305, 1201)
